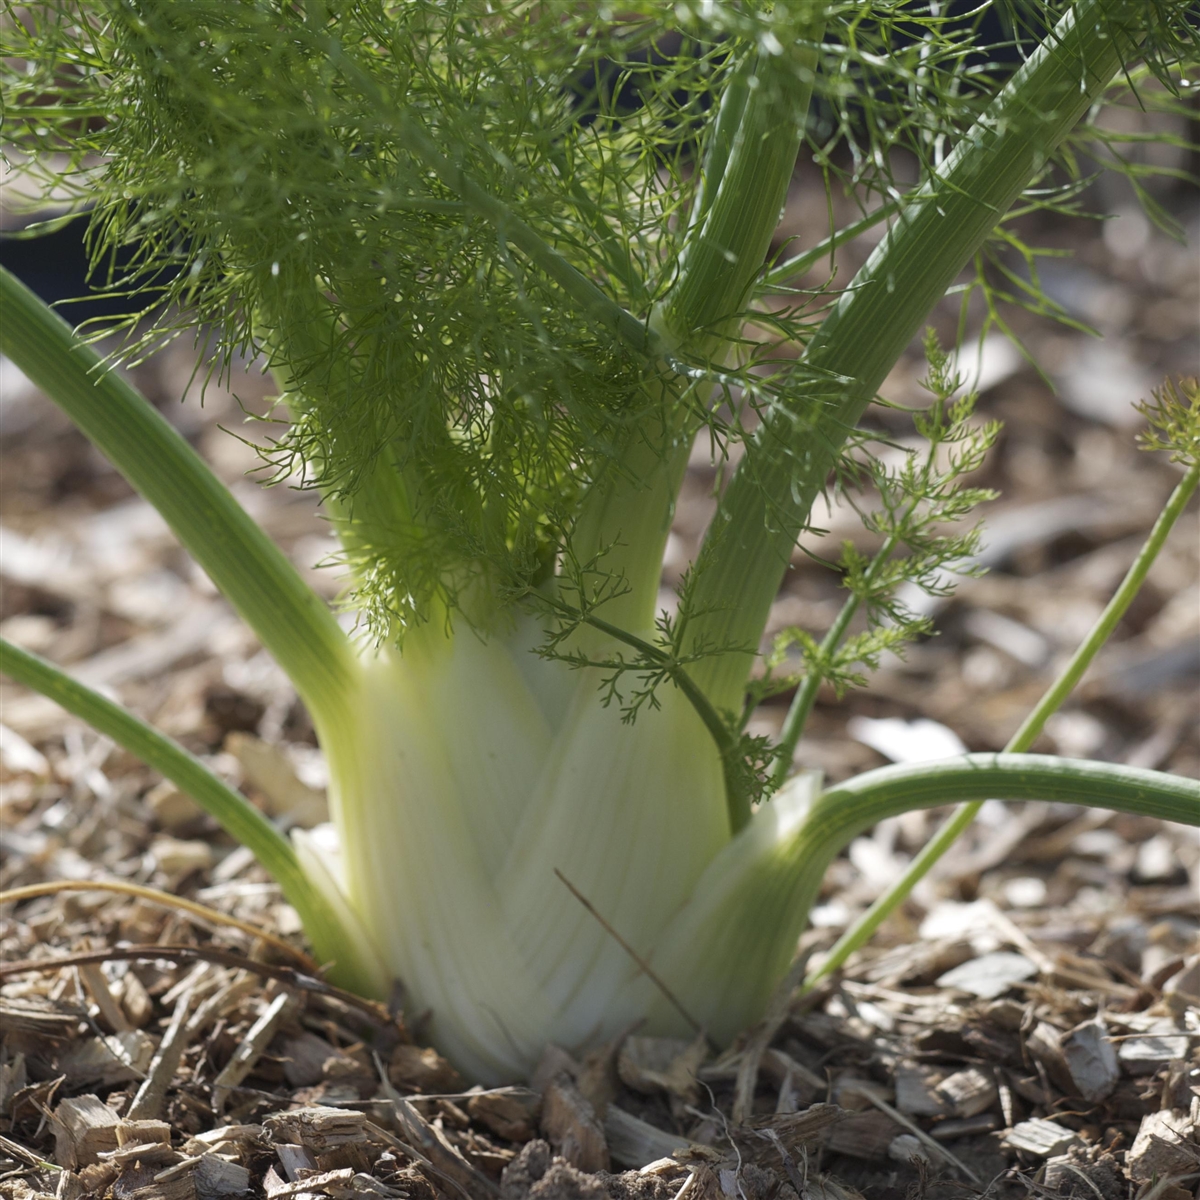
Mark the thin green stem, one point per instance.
(726, 743)
(866, 925)
(846, 810)
(236, 815)
(806, 693)
(292, 622)
(938, 231)
(1108, 620)
(792, 268)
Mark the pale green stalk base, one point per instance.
(728, 948)
(866, 925)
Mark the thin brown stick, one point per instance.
(25, 1156)
(151, 1095)
(934, 1146)
(166, 900)
(224, 958)
(637, 958)
(444, 1159)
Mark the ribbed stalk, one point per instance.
(747, 168)
(937, 233)
(291, 621)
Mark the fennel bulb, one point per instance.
(460, 785)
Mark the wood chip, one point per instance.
(13, 1077)
(1164, 1146)
(135, 1000)
(96, 983)
(969, 1092)
(295, 1160)
(916, 1092)
(990, 975)
(217, 1177)
(154, 1153)
(174, 1187)
(1040, 1138)
(250, 1049)
(141, 1132)
(84, 1127)
(1182, 990)
(862, 1135)
(510, 1113)
(1144, 1055)
(650, 1064)
(147, 1104)
(1044, 1043)
(343, 1184)
(572, 1127)
(103, 1062)
(304, 1057)
(1091, 1060)
(422, 1069)
(317, 1128)
(40, 1016)
(237, 1142)
(635, 1143)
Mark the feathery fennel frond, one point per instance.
(268, 167)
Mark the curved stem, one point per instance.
(844, 811)
(236, 815)
(291, 621)
(862, 929)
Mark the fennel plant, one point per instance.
(509, 265)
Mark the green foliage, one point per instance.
(304, 179)
(1174, 421)
(914, 502)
